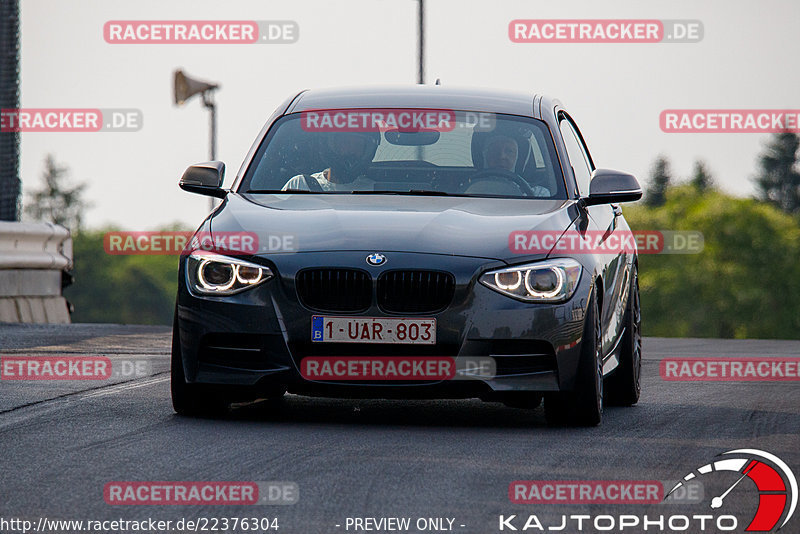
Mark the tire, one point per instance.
(624, 386)
(584, 405)
(190, 399)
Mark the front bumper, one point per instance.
(255, 340)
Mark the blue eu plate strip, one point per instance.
(317, 322)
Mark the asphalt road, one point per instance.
(62, 442)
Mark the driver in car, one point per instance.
(346, 154)
(501, 152)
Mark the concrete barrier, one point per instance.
(33, 258)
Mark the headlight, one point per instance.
(214, 274)
(543, 281)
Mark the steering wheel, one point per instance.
(502, 173)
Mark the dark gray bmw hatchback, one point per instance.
(412, 242)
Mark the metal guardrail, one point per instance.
(35, 246)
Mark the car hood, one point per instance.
(475, 227)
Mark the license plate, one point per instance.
(373, 330)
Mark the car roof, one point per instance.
(416, 96)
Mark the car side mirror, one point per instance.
(609, 187)
(205, 179)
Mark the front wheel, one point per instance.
(624, 385)
(584, 405)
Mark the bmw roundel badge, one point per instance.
(376, 259)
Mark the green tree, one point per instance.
(778, 181)
(701, 177)
(58, 201)
(744, 284)
(660, 178)
(135, 289)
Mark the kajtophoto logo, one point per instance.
(776, 498)
(776, 484)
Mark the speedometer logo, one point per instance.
(777, 485)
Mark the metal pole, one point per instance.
(212, 108)
(421, 58)
(9, 99)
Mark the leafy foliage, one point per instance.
(778, 181)
(744, 284)
(701, 177)
(57, 202)
(660, 179)
(120, 289)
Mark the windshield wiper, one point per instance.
(276, 191)
(422, 192)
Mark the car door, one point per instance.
(607, 220)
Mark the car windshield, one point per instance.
(402, 151)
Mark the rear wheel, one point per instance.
(583, 405)
(190, 399)
(624, 385)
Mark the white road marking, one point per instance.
(113, 390)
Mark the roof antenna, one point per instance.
(438, 81)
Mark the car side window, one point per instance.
(577, 156)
